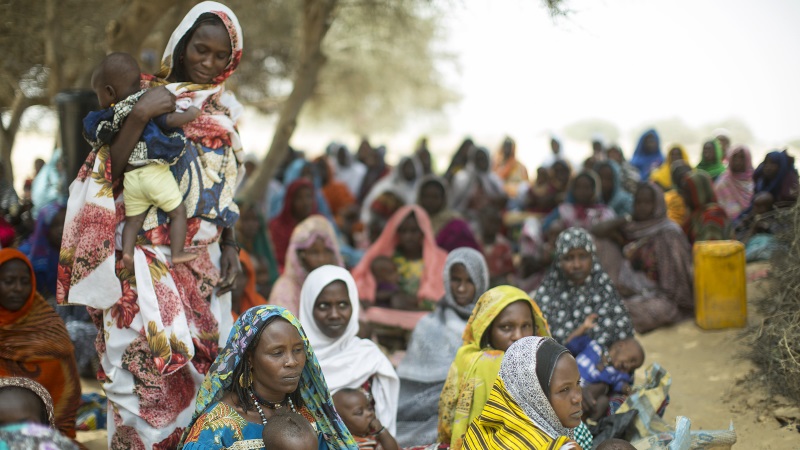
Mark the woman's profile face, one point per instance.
(15, 284)
(332, 310)
(512, 324)
(409, 236)
(207, 53)
(576, 265)
(565, 391)
(461, 285)
(277, 361)
(316, 255)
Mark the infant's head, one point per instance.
(24, 400)
(289, 431)
(763, 203)
(355, 410)
(626, 355)
(384, 270)
(115, 78)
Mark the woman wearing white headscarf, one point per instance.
(434, 344)
(402, 181)
(476, 184)
(329, 310)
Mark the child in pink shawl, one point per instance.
(409, 240)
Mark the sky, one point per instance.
(630, 62)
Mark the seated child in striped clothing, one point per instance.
(604, 371)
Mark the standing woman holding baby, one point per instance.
(162, 327)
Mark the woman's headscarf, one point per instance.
(437, 336)
(735, 190)
(657, 223)
(43, 256)
(36, 388)
(312, 385)
(621, 200)
(707, 220)
(713, 168)
(349, 361)
(575, 215)
(352, 173)
(286, 291)
(430, 285)
(566, 305)
(775, 185)
(282, 226)
(519, 413)
(250, 296)
(295, 171)
(465, 181)
(663, 175)
(49, 186)
(35, 336)
(457, 233)
(646, 162)
(474, 369)
(396, 183)
(447, 214)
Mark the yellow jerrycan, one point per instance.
(720, 285)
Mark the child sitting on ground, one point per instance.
(604, 371)
(387, 279)
(148, 180)
(289, 431)
(358, 415)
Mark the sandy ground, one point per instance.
(707, 385)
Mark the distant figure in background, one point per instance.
(707, 220)
(612, 192)
(510, 170)
(723, 136)
(346, 168)
(647, 155)
(424, 155)
(459, 160)
(477, 186)
(711, 162)
(630, 175)
(777, 175)
(298, 205)
(50, 183)
(555, 152)
(375, 161)
(676, 205)
(663, 175)
(734, 187)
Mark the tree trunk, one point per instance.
(317, 18)
(137, 19)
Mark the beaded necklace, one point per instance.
(258, 402)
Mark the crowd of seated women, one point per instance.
(392, 307)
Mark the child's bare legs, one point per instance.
(129, 232)
(177, 235)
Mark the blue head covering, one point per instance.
(645, 162)
(41, 253)
(774, 185)
(312, 386)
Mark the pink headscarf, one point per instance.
(735, 190)
(431, 285)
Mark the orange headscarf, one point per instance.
(36, 345)
(431, 286)
(250, 297)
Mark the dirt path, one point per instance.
(705, 369)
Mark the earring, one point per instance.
(245, 382)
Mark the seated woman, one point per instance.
(402, 181)
(711, 162)
(676, 205)
(535, 402)
(35, 343)
(312, 245)
(647, 155)
(266, 365)
(298, 204)
(612, 193)
(408, 239)
(583, 209)
(329, 309)
(734, 187)
(656, 280)
(477, 186)
(27, 420)
(502, 316)
(707, 220)
(510, 170)
(663, 174)
(550, 188)
(777, 175)
(433, 199)
(433, 345)
(576, 287)
(630, 175)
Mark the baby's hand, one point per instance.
(193, 112)
(626, 388)
(590, 322)
(375, 425)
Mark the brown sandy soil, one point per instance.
(707, 385)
